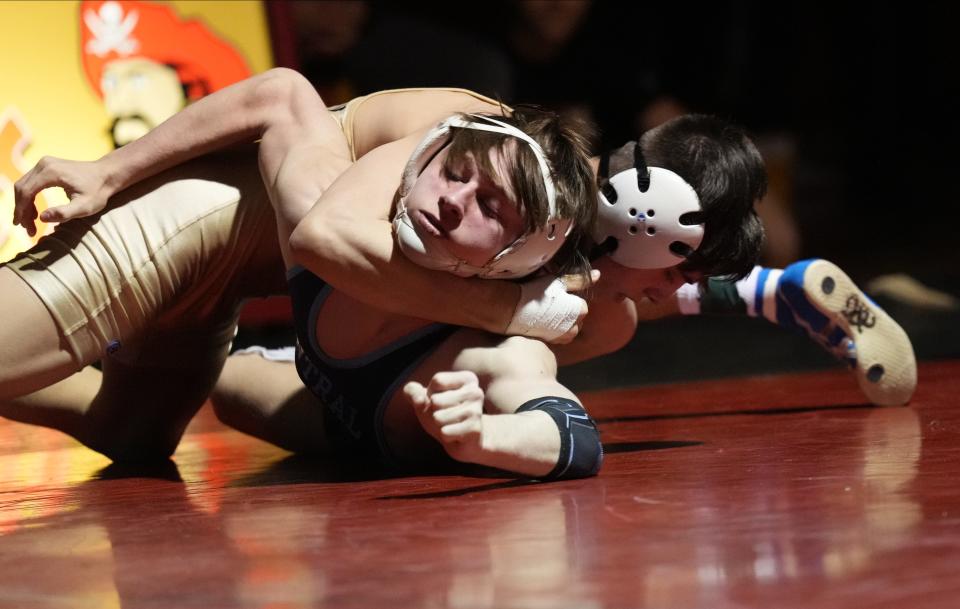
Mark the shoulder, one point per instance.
(387, 116)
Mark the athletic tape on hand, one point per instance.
(545, 310)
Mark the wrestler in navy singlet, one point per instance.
(354, 391)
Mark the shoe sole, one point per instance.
(886, 367)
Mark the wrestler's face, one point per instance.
(471, 215)
(139, 94)
(656, 285)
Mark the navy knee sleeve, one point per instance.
(581, 452)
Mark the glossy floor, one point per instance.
(773, 492)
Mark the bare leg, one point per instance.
(60, 406)
(31, 354)
(127, 412)
(277, 408)
(138, 408)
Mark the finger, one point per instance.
(576, 283)
(27, 220)
(22, 198)
(62, 213)
(416, 393)
(445, 381)
(455, 397)
(461, 430)
(449, 416)
(26, 189)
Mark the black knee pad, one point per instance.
(581, 453)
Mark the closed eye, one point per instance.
(453, 176)
(488, 206)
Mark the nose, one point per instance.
(455, 202)
(668, 284)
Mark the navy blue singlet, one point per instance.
(355, 391)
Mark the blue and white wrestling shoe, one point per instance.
(816, 297)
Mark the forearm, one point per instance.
(525, 443)
(366, 265)
(239, 113)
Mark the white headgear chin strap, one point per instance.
(522, 257)
(641, 208)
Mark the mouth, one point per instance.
(430, 224)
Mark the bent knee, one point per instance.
(228, 408)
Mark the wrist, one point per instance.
(111, 174)
(486, 446)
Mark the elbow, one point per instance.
(276, 92)
(315, 245)
(588, 459)
(304, 240)
(581, 451)
(279, 84)
(583, 461)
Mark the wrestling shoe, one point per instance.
(816, 297)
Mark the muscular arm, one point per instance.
(484, 426)
(523, 442)
(277, 107)
(301, 152)
(244, 111)
(347, 239)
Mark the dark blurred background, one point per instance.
(852, 106)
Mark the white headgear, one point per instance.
(522, 257)
(641, 208)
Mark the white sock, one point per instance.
(688, 299)
(759, 291)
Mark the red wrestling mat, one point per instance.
(769, 492)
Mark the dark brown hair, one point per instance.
(723, 166)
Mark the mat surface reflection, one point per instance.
(780, 491)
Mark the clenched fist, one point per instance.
(450, 409)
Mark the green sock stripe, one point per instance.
(720, 297)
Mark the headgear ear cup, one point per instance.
(643, 208)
